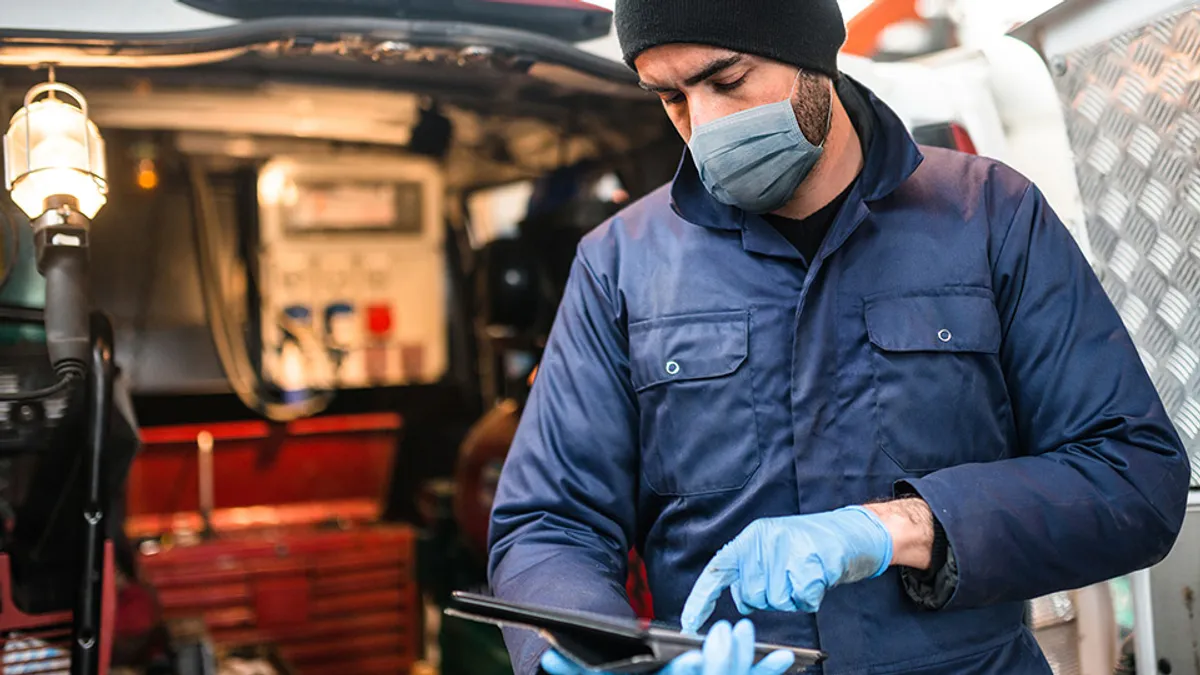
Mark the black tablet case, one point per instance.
(602, 643)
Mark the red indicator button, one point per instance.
(379, 319)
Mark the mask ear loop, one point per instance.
(796, 83)
(829, 117)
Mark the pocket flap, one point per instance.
(960, 320)
(687, 347)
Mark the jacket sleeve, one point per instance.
(563, 515)
(1099, 484)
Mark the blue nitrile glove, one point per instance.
(789, 563)
(727, 651)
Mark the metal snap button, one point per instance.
(944, 335)
(672, 367)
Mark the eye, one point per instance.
(729, 86)
(671, 98)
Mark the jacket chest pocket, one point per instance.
(693, 381)
(940, 396)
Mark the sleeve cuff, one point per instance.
(537, 664)
(931, 589)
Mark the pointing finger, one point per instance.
(718, 575)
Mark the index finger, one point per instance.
(719, 574)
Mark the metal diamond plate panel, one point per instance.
(1133, 117)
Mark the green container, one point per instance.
(470, 648)
(23, 287)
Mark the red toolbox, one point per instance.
(295, 555)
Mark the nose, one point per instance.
(702, 111)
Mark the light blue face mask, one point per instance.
(755, 159)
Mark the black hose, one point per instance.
(85, 647)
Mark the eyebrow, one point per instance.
(711, 70)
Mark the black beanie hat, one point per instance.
(803, 33)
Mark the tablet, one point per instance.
(599, 642)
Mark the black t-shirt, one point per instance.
(806, 235)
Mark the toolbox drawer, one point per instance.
(333, 601)
(298, 559)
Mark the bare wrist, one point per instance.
(910, 523)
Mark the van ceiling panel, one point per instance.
(260, 121)
(273, 109)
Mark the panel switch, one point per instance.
(379, 320)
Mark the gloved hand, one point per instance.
(789, 563)
(727, 651)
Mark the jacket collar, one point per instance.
(891, 157)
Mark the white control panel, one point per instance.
(352, 271)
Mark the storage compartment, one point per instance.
(292, 552)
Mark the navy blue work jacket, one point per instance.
(949, 337)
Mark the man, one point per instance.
(873, 387)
